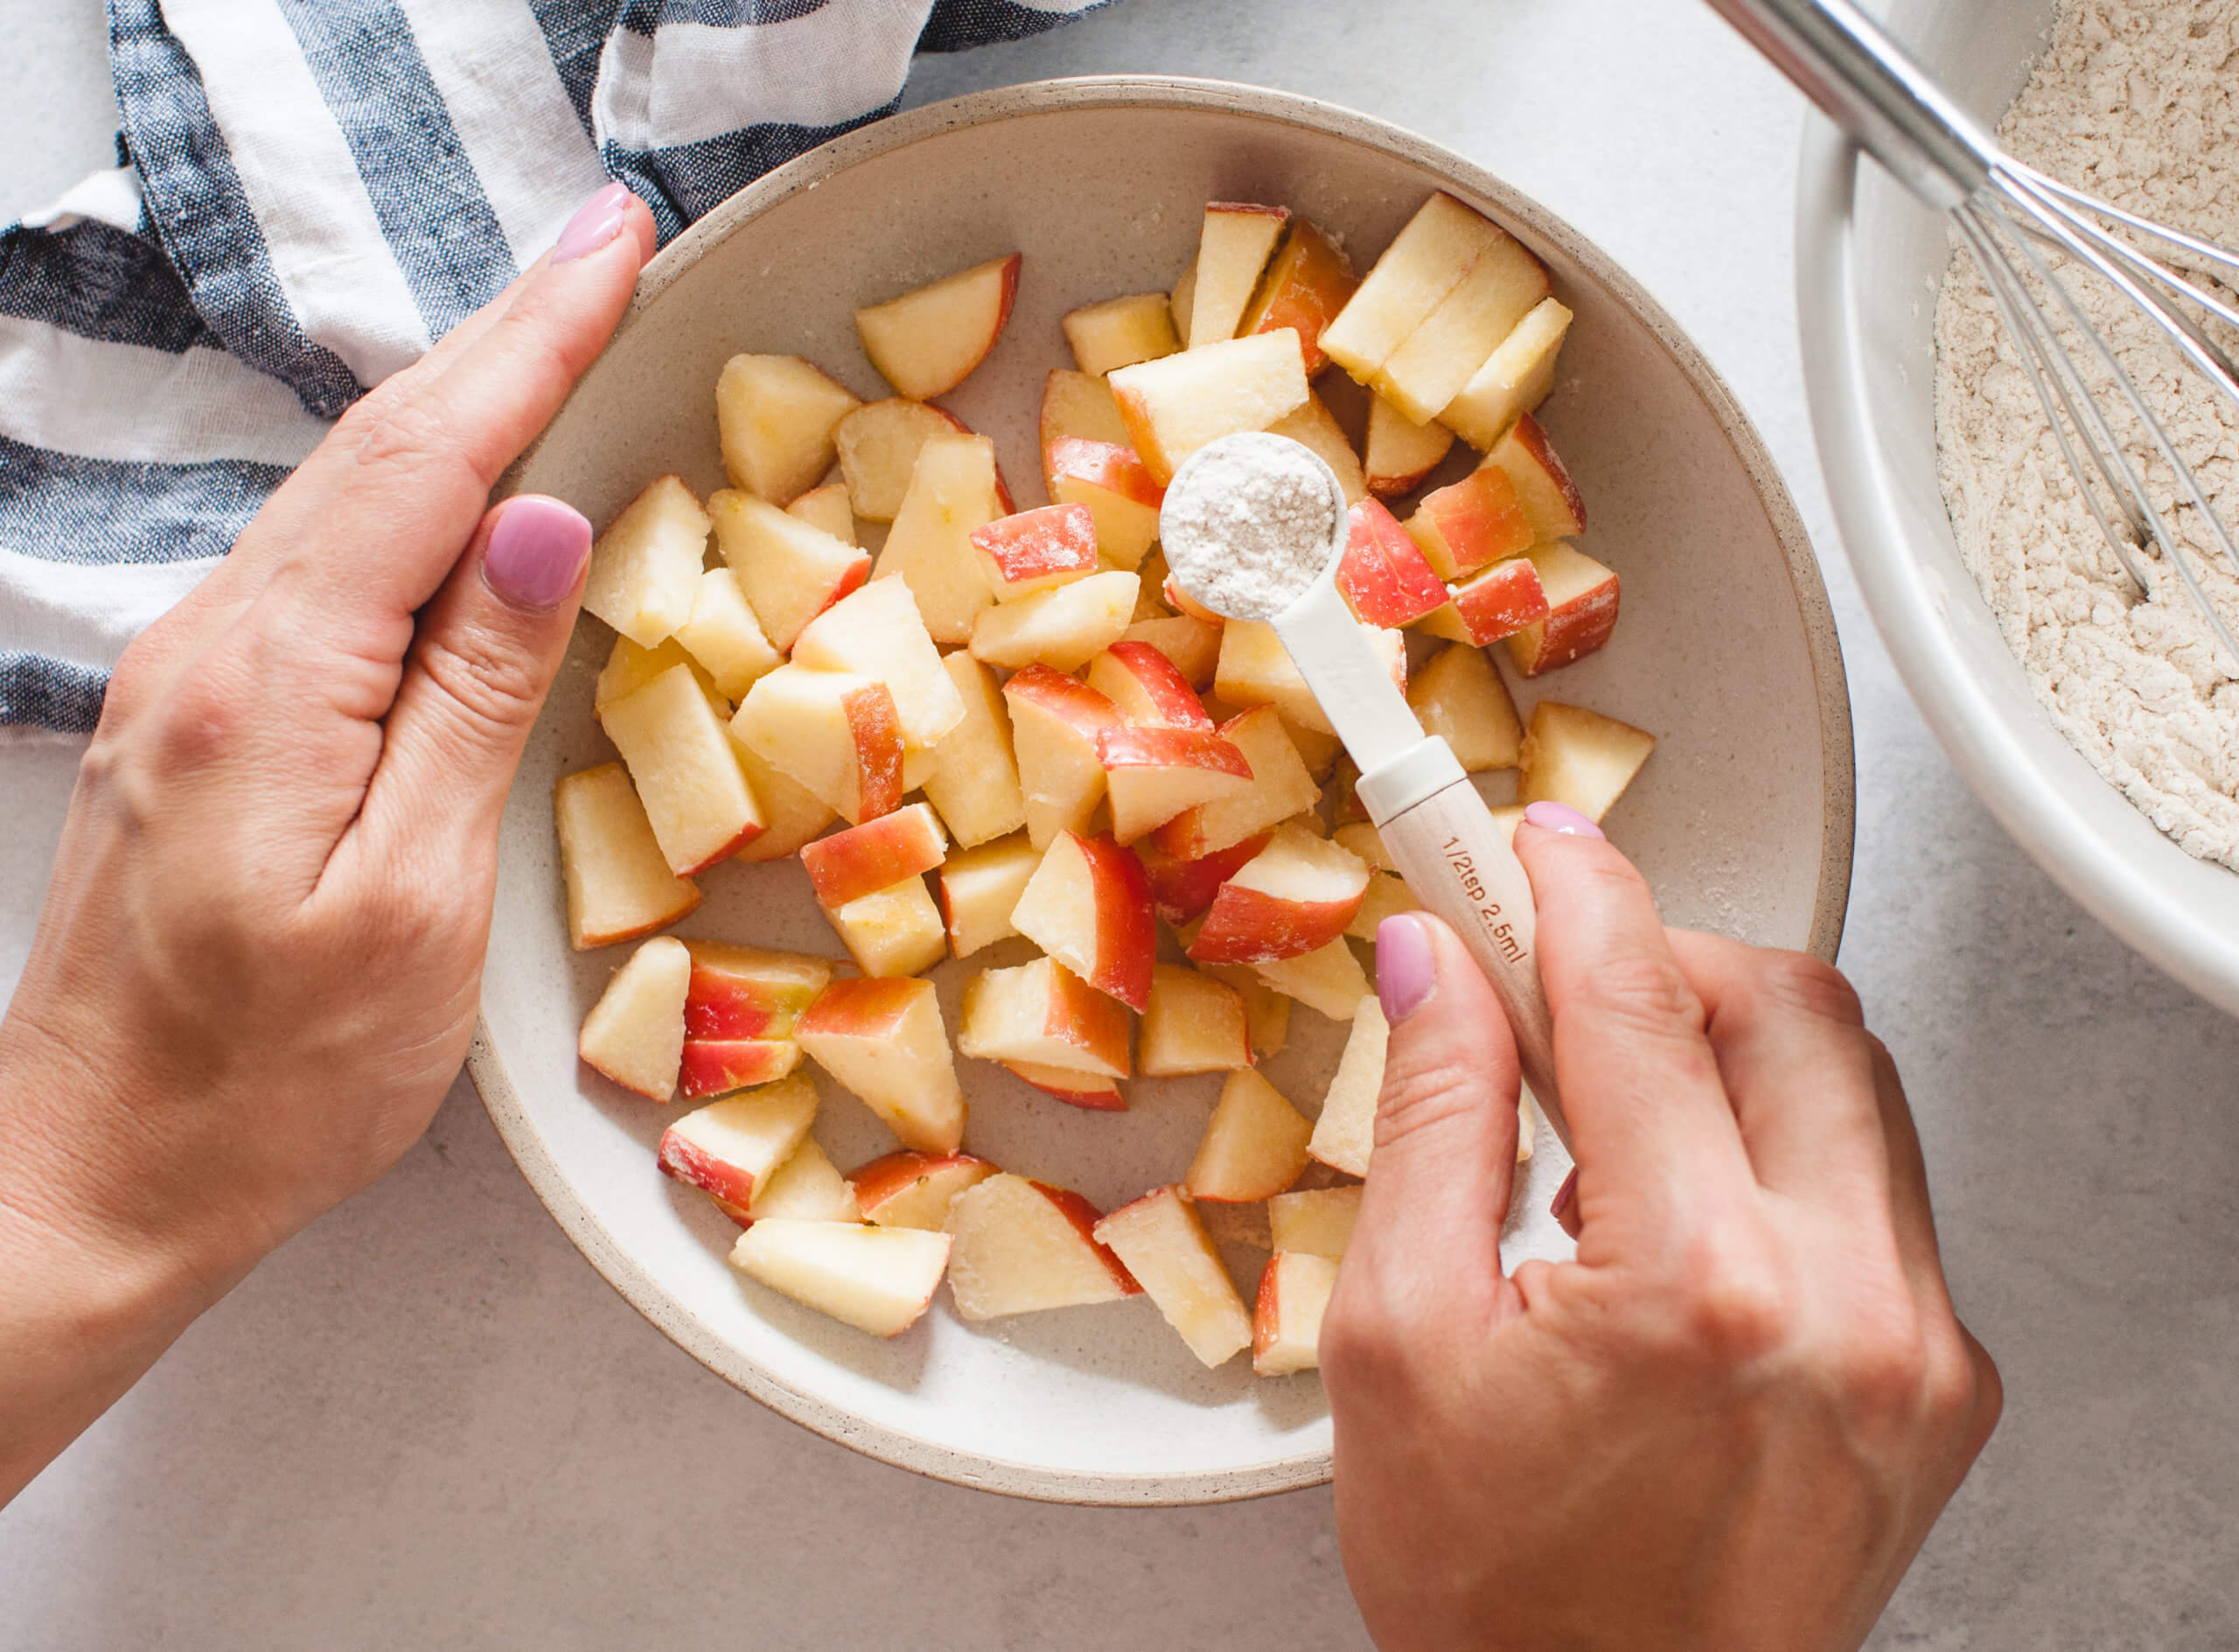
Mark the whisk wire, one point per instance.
(2166, 234)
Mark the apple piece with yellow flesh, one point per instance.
(878, 445)
(1076, 405)
(686, 772)
(1581, 598)
(1088, 905)
(953, 490)
(791, 814)
(1036, 550)
(774, 416)
(1154, 774)
(1023, 1246)
(1314, 1221)
(896, 930)
(1328, 980)
(750, 991)
(1543, 483)
(1112, 481)
(1254, 1144)
(1432, 363)
(827, 506)
(1193, 1024)
(861, 860)
(1306, 283)
(724, 636)
(790, 570)
(876, 1279)
(1267, 1011)
(1160, 1241)
(629, 668)
(1578, 757)
(884, 1039)
(1460, 696)
(910, 1189)
(1119, 333)
(717, 1066)
(1093, 1092)
(1286, 1318)
(1400, 452)
(1280, 787)
(1256, 669)
(1296, 895)
(806, 1188)
(1383, 574)
(1495, 603)
(1345, 1135)
(1056, 720)
(1043, 1013)
(1182, 890)
(980, 889)
(1467, 524)
(927, 342)
(1193, 646)
(1425, 263)
(1515, 379)
(619, 885)
(645, 569)
(1314, 428)
(1175, 405)
(1062, 628)
(1233, 248)
(635, 1033)
(1388, 895)
(1147, 687)
(1364, 839)
(732, 1147)
(835, 733)
(973, 780)
(876, 632)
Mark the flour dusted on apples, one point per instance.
(2135, 101)
(1247, 525)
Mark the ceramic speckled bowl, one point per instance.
(1742, 818)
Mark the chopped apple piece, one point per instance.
(775, 415)
(1367, 842)
(724, 636)
(1062, 628)
(635, 1033)
(1055, 722)
(1075, 404)
(1094, 1092)
(687, 774)
(645, 568)
(876, 632)
(834, 732)
(909, 1189)
(1461, 697)
(1328, 979)
(1112, 483)
(629, 668)
(927, 342)
(750, 991)
(1147, 687)
(1257, 670)
(1184, 299)
(1430, 368)
(827, 506)
(1182, 890)
(1036, 550)
(1280, 788)
(1193, 1024)
(896, 930)
(1306, 284)
(1515, 379)
(1581, 598)
(1194, 645)
(1465, 526)
(1237, 240)
(879, 443)
(1162, 1243)
(1021, 1246)
(1286, 1319)
(974, 781)
(1154, 774)
(806, 1188)
(791, 814)
(1318, 1222)
(980, 889)
(1383, 574)
(1345, 1133)
(1174, 406)
(717, 1066)
(1043, 1013)
(1388, 895)
(732, 1147)
(884, 1039)
(1121, 331)
(877, 1279)
(1088, 905)
(1493, 603)
(1314, 427)
(1425, 261)
(862, 860)
(1254, 1145)
(1401, 452)
(1543, 485)
(619, 885)
(790, 570)
(1267, 1011)
(1578, 757)
(1296, 895)
(953, 490)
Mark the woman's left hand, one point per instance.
(257, 968)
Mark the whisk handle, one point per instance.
(1848, 65)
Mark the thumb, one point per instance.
(484, 652)
(1445, 1155)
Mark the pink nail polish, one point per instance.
(1550, 816)
(1565, 1208)
(1407, 971)
(598, 221)
(537, 550)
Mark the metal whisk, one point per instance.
(1847, 65)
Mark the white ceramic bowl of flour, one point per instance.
(1869, 263)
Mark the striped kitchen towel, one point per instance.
(313, 191)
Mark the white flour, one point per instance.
(2139, 102)
(1247, 525)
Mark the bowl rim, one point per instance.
(1910, 611)
(1302, 1469)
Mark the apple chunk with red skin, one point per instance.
(717, 1066)
(1175, 405)
(884, 1039)
(1182, 890)
(1280, 788)
(1582, 598)
(836, 732)
(1493, 603)
(1034, 550)
(1146, 688)
(1154, 774)
(862, 860)
(927, 342)
(1543, 485)
(1163, 1243)
(687, 774)
(878, 445)
(1194, 645)
(908, 1189)
(1400, 452)
(1304, 287)
(619, 885)
(877, 1279)
(1116, 488)
(1043, 1013)
(1094, 1092)
(1384, 574)
(750, 991)
(1476, 521)
(876, 632)
(635, 1033)
(730, 1148)
(1286, 1319)
(1254, 1145)
(1075, 404)
(1088, 905)
(1055, 722)
(1023, 1246)
(1296, 895)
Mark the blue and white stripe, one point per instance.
(314, 192)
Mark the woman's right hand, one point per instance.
(1731, 1422)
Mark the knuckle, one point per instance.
(1640, 992)
(1426, 1091)
(412, 436)
(486, 677)
(1802, 984)
(1738, 1303)
(1884, 1375)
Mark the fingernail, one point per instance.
(536, 552)
(1564, 1209)
(598, 221)
(1406, 970)
(1550, 816)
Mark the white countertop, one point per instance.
(427, 1423)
